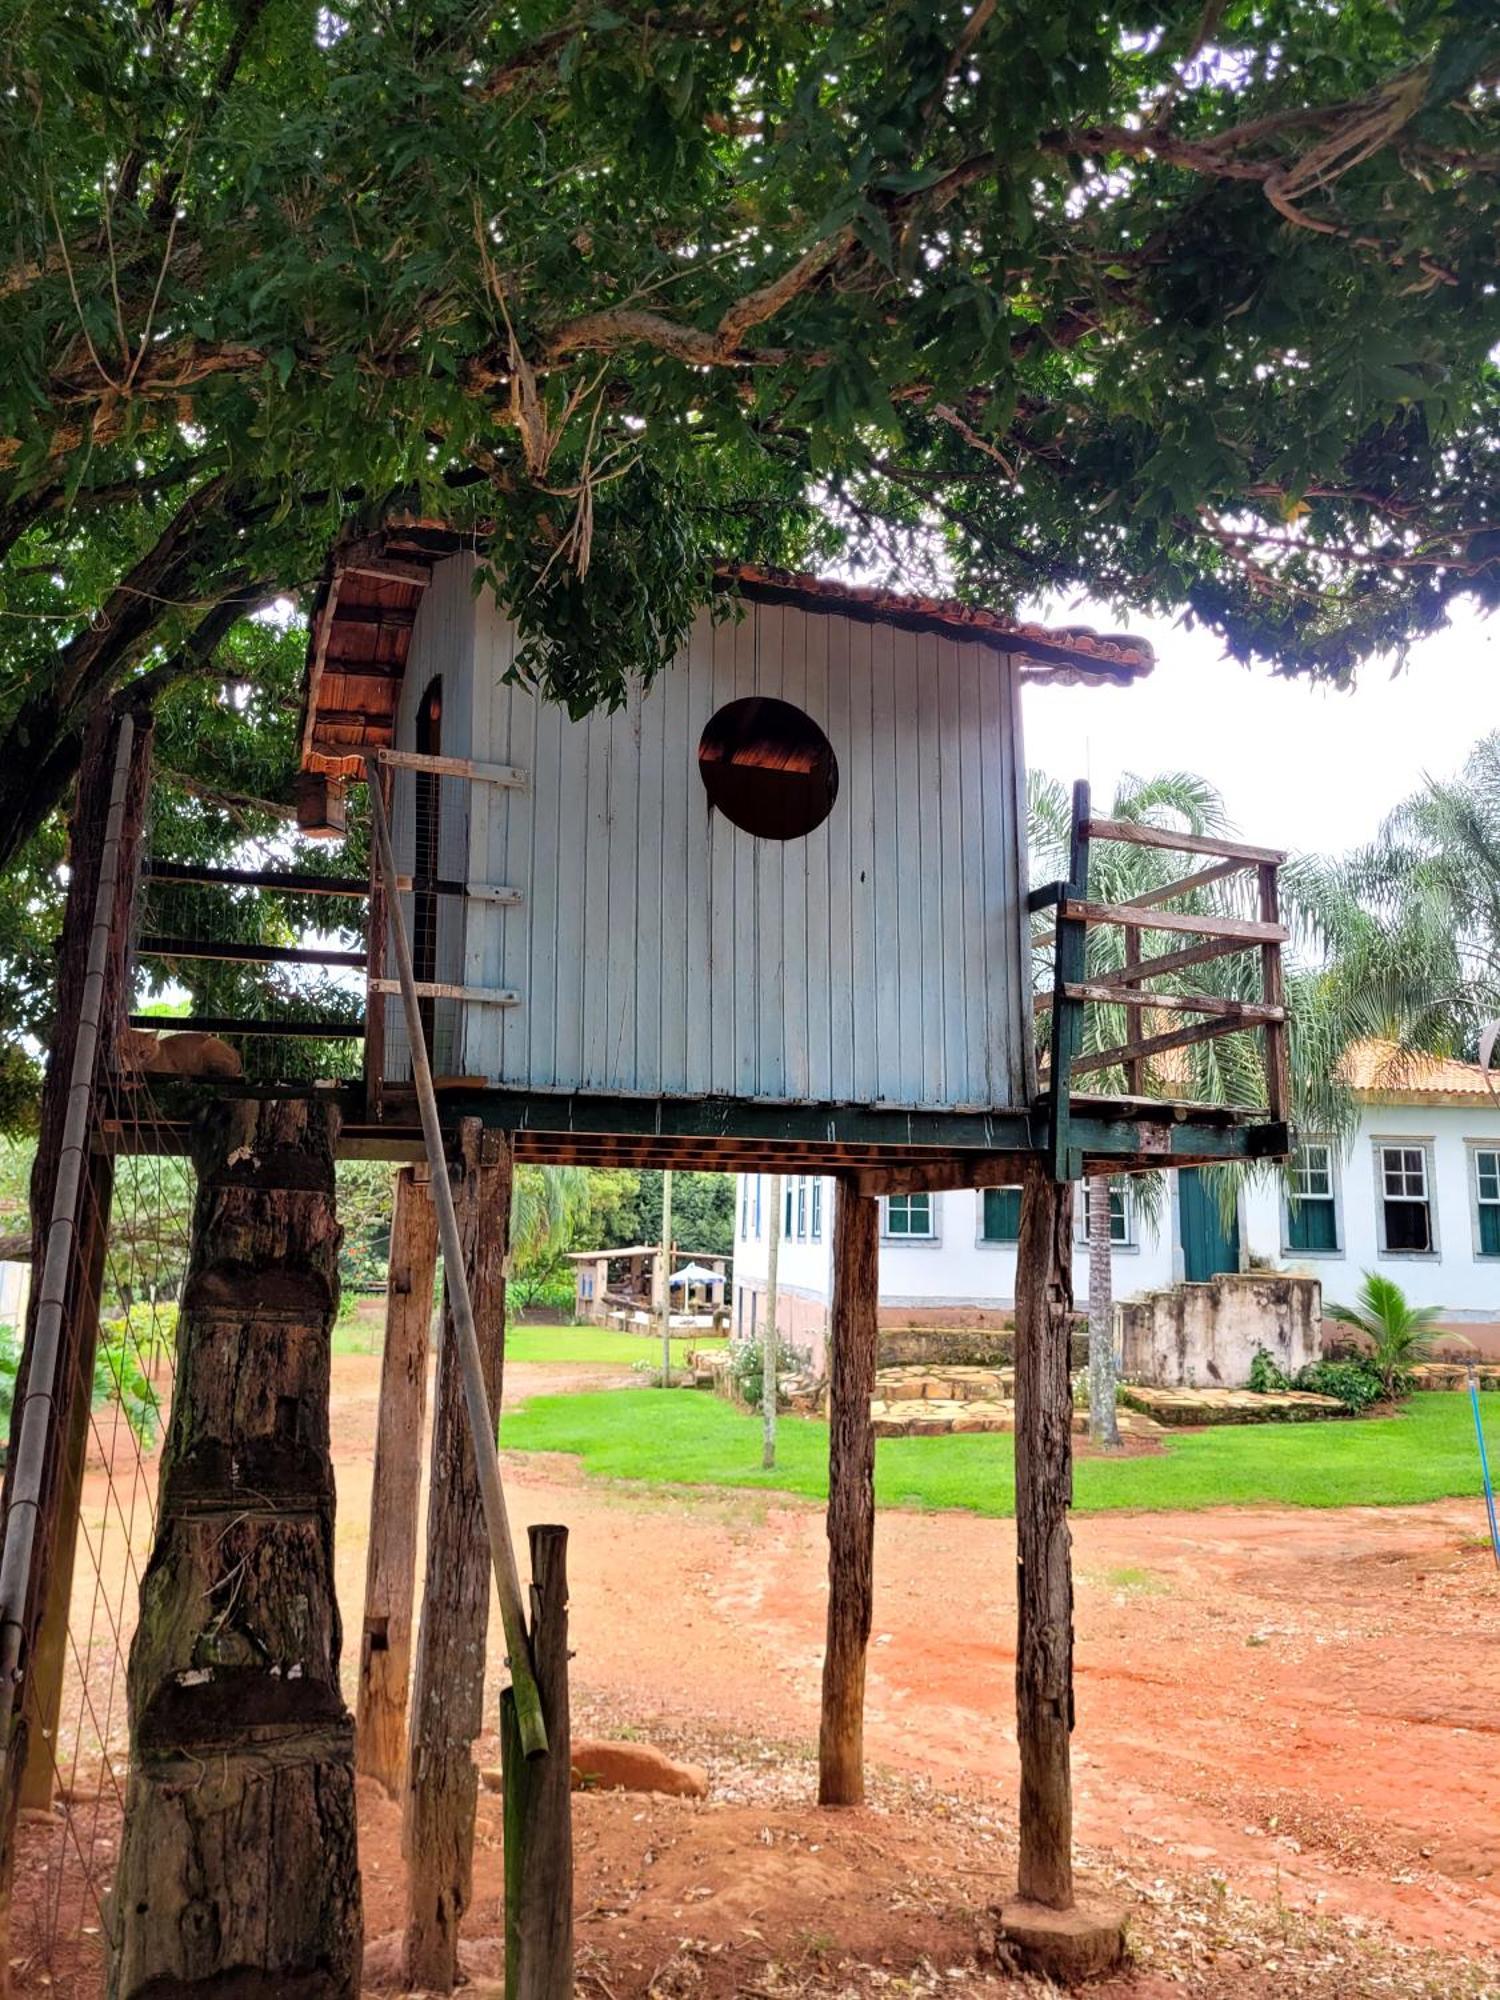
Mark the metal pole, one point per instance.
(62, 1228)
(1484, 1464)
(486, 1454)
(666, 1277)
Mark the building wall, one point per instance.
(956, 1270)
(656, 949)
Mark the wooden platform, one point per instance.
(1188, 1408)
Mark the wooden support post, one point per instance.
(238, 1867)
(391, 1566)
(770, 1337)
(1067, 1014)
(447, 1709)
(1273, 992)
(851, 1494)
(1050, 1933)
(539, 1797)
(44, 1684)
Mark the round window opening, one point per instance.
(768, 768)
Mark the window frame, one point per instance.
(1381, 1144)
(1335, 1198)
(1473, 1148)
(802, 1208)
(929, 1235)
(987, 1242)
(1130, 1242)
(815, 1208)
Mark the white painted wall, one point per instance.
(957, 1268)
(657, 950)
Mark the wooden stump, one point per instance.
(851, 1495)
(1044, 1573)
(238, 1871)
(539, 1797)
(390, 1573)
(447, 1710)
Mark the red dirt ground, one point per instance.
(1302, 1705)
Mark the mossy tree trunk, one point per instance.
(238, 1870)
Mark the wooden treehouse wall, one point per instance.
(656, 949)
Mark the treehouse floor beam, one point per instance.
(1051, 1930)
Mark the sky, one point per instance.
(1299, 766)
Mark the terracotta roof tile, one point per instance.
(1381, 1069)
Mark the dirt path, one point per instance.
(1301, 1705)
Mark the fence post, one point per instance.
(538, 1797)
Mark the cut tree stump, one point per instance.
(447, 1707)
(391, 1567)
(851, 1494)
(539, 1797)
(238, 1870)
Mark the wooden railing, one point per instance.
(1207, 935)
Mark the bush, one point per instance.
(747, 1366)
(1266, 1376)
(1353, 1383)
(550, 1292)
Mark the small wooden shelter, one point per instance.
(835, 777)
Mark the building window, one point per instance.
(817, 1209)
(1312, 1222)
(758, 1180)
(908, 1215)
(1000, 1215)
(1487, 1201)
(744, 1206)
(802, 1208)
(1121, 1234)
(787, 1196)
(1404, 1186)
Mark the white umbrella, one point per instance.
(696, 1274)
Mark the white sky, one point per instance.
(1299, 766)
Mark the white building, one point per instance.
(1414, 1194)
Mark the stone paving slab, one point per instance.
(1179, 1407)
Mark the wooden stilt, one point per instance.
(447, 1710)
(390, 1572)
(44, 1684)
(238, 1868)
(539, 1797)
(1050, 1931)
(1044, 1573)
(851, 1495)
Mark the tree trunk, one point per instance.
(539, 1797)
(666, 1278)
(86, 850)
(851, 1495)
(770, 1333)
(447, 1711)
(238, 1869)
(391, 1566)
(1044, 1573)
(1104, 1426)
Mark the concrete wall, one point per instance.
(1206, 1336)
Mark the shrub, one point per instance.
(119, 1377)
(1353, 1383)
(1399, 1334)
(550, 1292)
(1266, 1376)
(747, 1366)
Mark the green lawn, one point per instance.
(362, 1333)
(689, 1438)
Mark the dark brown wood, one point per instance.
(155, 946)
(238, 1024)
(1044, 1573)
(539, 1797)
(238, 1868)
(85, 852)
(1273, 986)
(1149, 898)
(1153, 1045)
(1114, 992)
(1168, 961)
(289, 881)
(375, 955)
(1135, 1069)
(42, 1689)
(391, 1564)
(1245, 929)
(1136, 833)
(851, 1494)
(447, 1708)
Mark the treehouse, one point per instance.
(771, 912)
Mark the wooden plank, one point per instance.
(1278, 1058)
(1067, 1015)
(289, 881)
(853, 1335)
(447, 1708)
(443, 989)
(1151, 897)
(241, 1024)
(1151, 1045)
(1044, 1570)
(454, 767)
(1243, 929)
(538, 1821)
(1135, 1069)
(315, 668)
(938, 1176)
(1136, 834)
(246, 954)
(391, 1561)
(1107, 992)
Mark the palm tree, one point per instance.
(1400, 1335)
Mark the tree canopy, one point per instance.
(1188, 305)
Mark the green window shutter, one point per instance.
(1002, 1215)
(1489, 1229)
(1312, 1225)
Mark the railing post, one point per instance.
(1278, 1065)
(1067, 1013)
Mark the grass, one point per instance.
(682, 1437)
